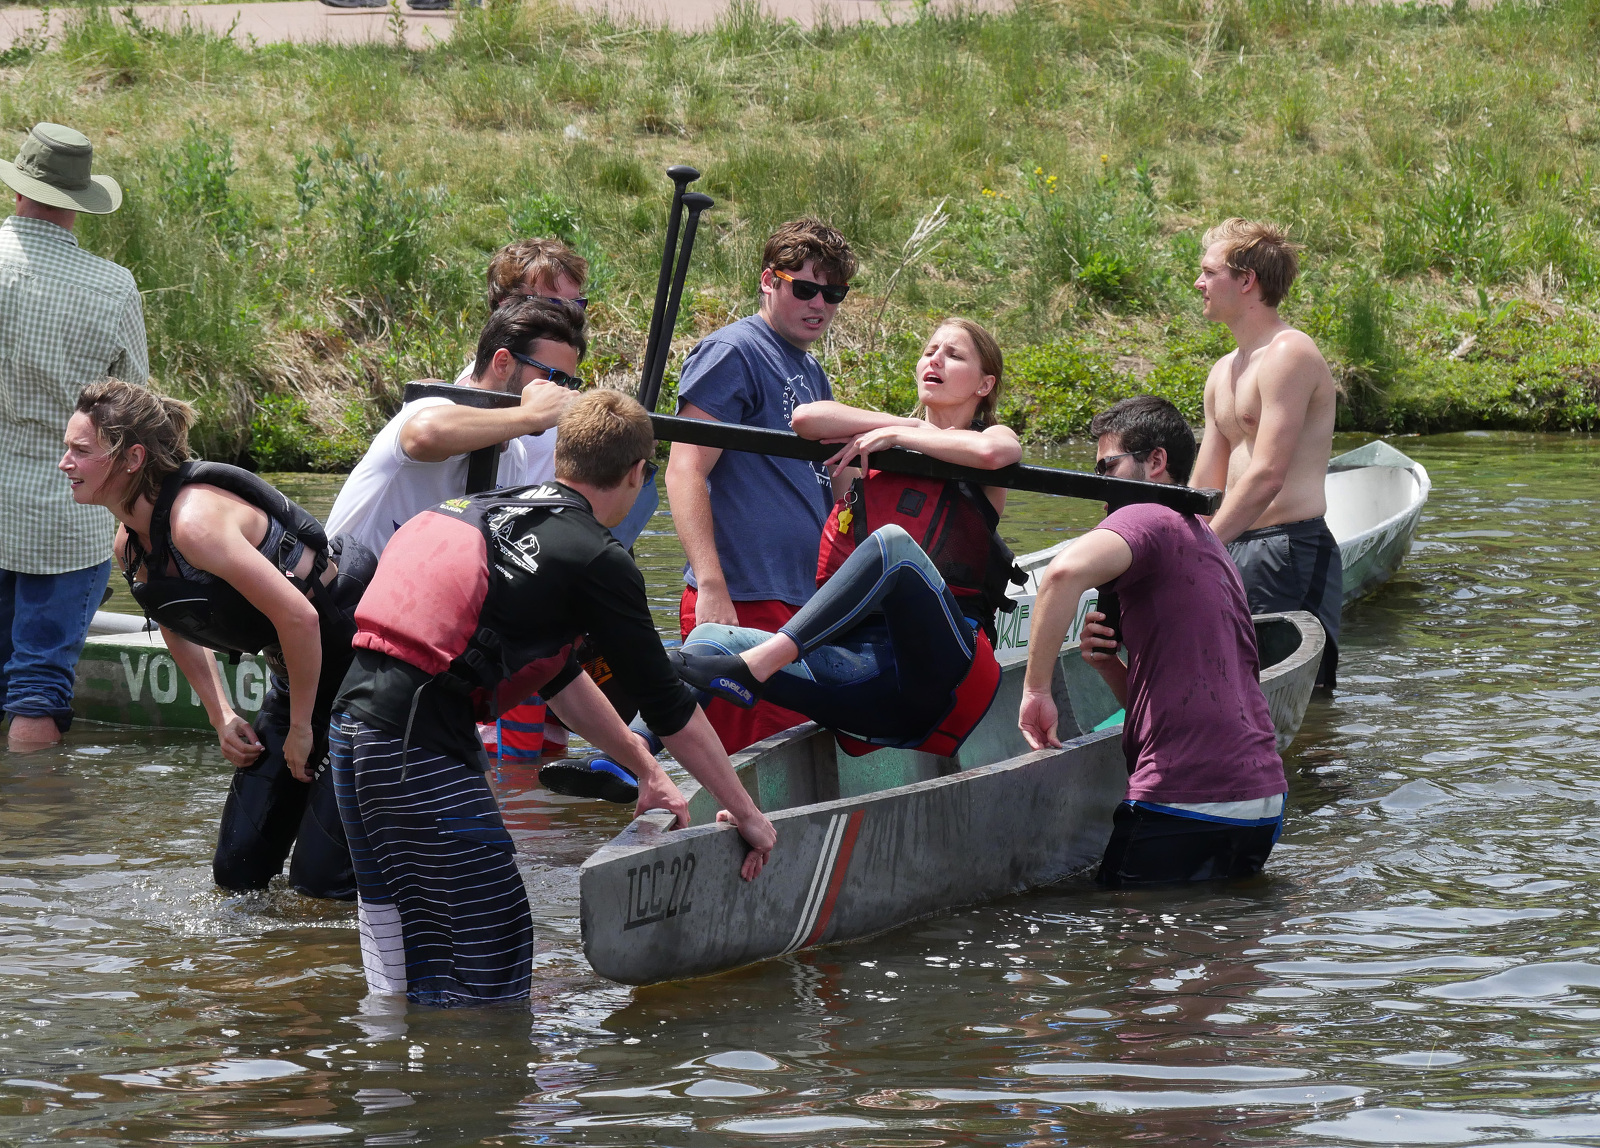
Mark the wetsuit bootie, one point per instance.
(720, 675)
(597, 777)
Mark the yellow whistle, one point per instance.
(845, 518)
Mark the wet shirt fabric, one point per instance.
(1198, 729)
(388, 487)
(768, 511)
(563, 575)
(67, 319)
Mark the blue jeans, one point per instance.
(882, 645)
(44, 619)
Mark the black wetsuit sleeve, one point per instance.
(562, 680)
(616, 615)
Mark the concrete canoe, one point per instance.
(870, 843)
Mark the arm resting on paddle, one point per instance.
(1096, 558)
(238, 740)
(829, 421)
(586, 711)
(436, 433)
(698, 750)
(688, 469)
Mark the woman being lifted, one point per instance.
(225, 562)
(895, 649)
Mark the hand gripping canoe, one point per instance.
(1039, 479)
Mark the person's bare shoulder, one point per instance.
(1292, 360)
(202, 515)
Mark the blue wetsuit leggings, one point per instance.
(883, 644)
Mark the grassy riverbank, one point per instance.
(311, 224)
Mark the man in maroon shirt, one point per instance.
(1206, 792)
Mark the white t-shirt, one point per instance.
(388, 487)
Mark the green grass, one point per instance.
(311, 224)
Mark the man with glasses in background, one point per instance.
(419, 459)
(751, 524)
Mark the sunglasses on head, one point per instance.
(805, 290)
(559, 378)
(581, 302)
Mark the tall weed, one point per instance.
(380, 223)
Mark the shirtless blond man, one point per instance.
(1269, 409)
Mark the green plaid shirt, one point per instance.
(67, 319)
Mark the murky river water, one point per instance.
(1418, 966)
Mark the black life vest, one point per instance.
(437, 598)
(955, 524)
(214, 614)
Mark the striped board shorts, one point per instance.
(443, 914)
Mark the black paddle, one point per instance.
(1040, 479)
(682, 176)
(696, 203)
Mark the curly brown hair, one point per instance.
(124, 416)
(789, 247)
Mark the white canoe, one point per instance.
(869, 843)
(1375, 498)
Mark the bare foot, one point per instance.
(31, 733)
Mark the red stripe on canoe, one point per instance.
(846, 847)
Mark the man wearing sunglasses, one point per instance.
(1206, 793)
(420, 458)
(751, 524)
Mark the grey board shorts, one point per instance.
(1295, 566)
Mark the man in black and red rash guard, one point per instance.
(475, 605)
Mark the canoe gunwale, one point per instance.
(656, 824)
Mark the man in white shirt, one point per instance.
(419, 458)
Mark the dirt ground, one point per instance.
(309, 21)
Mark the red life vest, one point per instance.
(954, 523)
(969, 702)
(435, 608)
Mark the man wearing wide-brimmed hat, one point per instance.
(67, 319)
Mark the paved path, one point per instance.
(307, 21)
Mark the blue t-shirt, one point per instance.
(768, 511)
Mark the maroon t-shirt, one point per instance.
(1197, 727)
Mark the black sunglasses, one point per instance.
(559, 378)
(581, 302)
(804, 289)
(1103, 465)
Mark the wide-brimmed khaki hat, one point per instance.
(53, 169)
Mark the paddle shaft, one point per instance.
(1039, 479)
(784, 444)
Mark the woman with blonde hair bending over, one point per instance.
(895, 649)
(223, 561)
